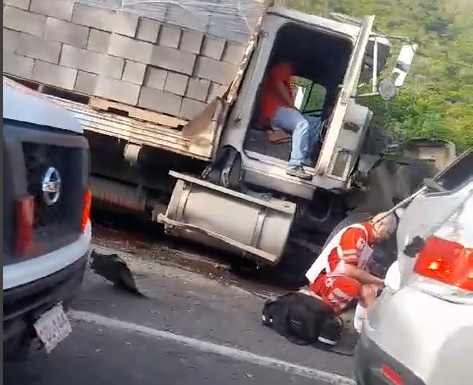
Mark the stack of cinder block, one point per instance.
(118, 55)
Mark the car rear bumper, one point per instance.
(369, 361)
(418, 336)
(24, 304)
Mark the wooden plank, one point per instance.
(135, 112)
(141, 133)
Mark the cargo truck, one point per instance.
(198, 161)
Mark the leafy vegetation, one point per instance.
(437, 101)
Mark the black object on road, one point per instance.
(115, 270)
(306, 320)
(298, 317)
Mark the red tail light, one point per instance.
(24, 217)
(446, 261)
(391, 375)
(86, 209)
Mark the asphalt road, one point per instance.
(188, 330)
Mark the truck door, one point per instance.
(347, 91)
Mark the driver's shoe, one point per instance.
(298, 172)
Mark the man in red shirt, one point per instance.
(340, 275)
(278, 109)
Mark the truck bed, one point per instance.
(133, 130)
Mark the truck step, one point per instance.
(103, 105)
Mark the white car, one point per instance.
(420, 331)
(46, 225)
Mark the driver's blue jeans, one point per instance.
(305, 132)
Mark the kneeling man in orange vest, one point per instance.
(338, 275)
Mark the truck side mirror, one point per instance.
(403, 64)
(387, 89)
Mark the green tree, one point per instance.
(438, 97)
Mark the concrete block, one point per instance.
(65, 32)
(17, 65)
(59, 9)
(117, 90)
(176, 83)
(183, 17)
(37, 48)
(155, 78)
(54, 75)
(125, 23)
(94, 62)
(86, 83)
(23, 4)
(191, 41)
(233, 53)
(94, 17)
(160, 101)
(148, 30)
(98, 41)
(198, 89)
(10, 40)
(215, 90)
(23, 21)
(134, 72)
(213, 70)
(213, 48)
(191, 108)
(169, 36)
(173, 59)
(129, 48)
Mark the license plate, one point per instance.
(53, 327)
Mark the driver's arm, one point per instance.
(284, 93)
(278, 76)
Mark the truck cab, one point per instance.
(328, 56)
(247, 177)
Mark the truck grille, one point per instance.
(57, 214)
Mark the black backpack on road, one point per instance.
(302, 319)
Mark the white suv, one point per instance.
(46, 225)
(420, 331)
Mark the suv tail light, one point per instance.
(444, 266)
(446, 261)
(86, 209)
(24, 218)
